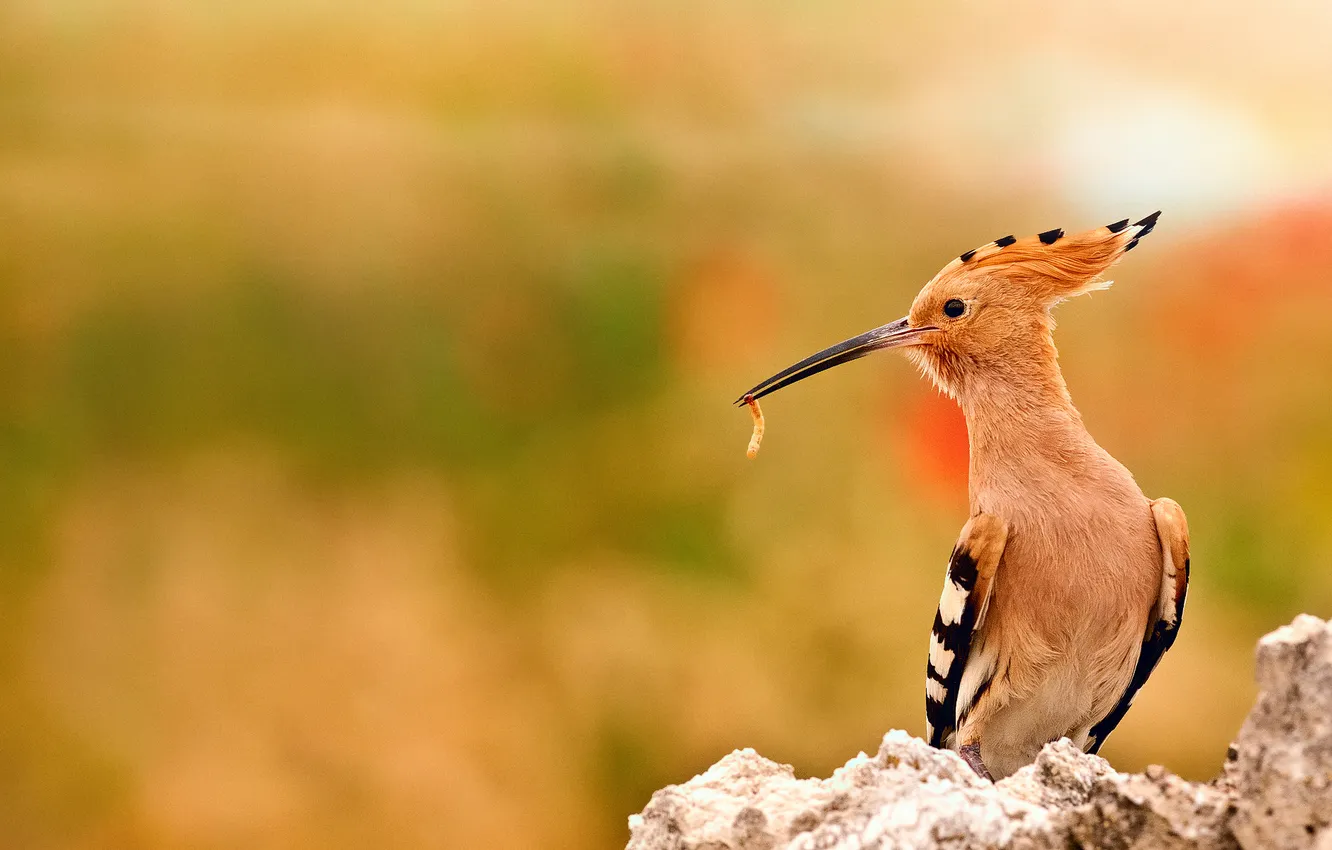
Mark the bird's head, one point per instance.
(987, 311)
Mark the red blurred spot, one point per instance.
(1233, 283)
(933, 444)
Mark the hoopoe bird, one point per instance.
(1067, 584)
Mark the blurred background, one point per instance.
(369, 471)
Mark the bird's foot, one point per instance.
(971, 755)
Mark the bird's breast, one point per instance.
(1084, 569)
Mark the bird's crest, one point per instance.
(1054, 265)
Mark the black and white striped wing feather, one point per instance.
(961, 614)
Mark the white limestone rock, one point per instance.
(1276, 791)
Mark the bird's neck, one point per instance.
(1021, 423)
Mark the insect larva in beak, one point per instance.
(757, 438)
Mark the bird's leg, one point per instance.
(971, 755)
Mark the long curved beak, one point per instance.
(892, 335)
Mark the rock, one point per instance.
(1281, 770)
(910, 793)
(1276, 792)
(1152, 810)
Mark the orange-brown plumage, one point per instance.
(1066, 586)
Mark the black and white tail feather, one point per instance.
(1162, 628)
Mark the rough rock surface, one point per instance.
(1280, 767)
(1276, 791)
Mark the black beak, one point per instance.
(892, 335)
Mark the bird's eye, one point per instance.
(954, 307)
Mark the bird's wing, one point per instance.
(1162, 627)
(962, 606)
